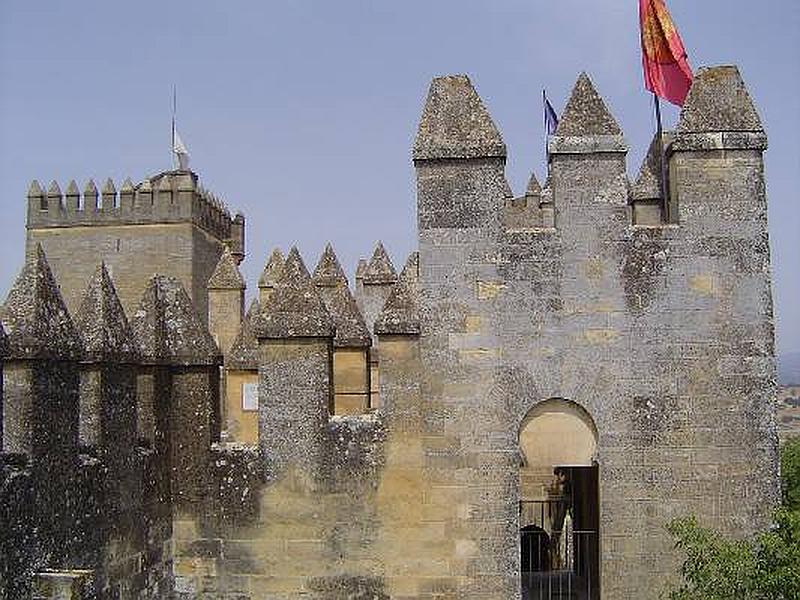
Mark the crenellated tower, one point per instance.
(166, 224)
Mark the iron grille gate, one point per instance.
(559, 558)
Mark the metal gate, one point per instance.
(559, 551)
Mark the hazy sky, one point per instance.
(301, 113)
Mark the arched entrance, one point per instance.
(559, 508)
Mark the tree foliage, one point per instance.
(764, 568)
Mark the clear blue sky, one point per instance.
(302, 113)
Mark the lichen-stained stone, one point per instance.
(244, 351)
(102, 324)
(296, 308)
(410, 272)
(35, 318)
(648, 181)
(329, 277)
(226, 275)
(586, 113)
(400, 314)
(718, 101)
(168, 330)
(380, 269)
(272, 269)
(328, 272)
(455, 124)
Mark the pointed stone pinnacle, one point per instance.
(127, 186)
(35, 317)
(455, 123)
(400, 314)
(586, 114)
(534, 189)
(54, 191)
(380, 269)
(648, 182)
(243, 354)
(272, 270)
(101, 322)
(35, 190)
(167, 329)
(90, 189)
(226, 275)
(72, 189)
(108, 188)
(296, 309)
(718, 101)
(351, 328)
(328, 272)
(410, 270)
(361, 268)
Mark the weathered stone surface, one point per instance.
(533, 189)
(410, 272)
(718, 101)
(586, 114)
(380, 269)
(455, 124)
(226, 275)
(329, 277)
(244, 351)
(168, 330)
(400, 314)
(102, 324)
(296, 308)
(328, 272)
(272, 269)
(35, 318)
(648, 181)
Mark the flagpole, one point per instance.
(546, 149)
(662, 167)
(174, 110)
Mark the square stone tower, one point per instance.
(167, 224)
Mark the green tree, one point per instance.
(764, 568)
(790, 473)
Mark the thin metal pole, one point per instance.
(174, 111)
(662, 167)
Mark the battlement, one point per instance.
(169, 197)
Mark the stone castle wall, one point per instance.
(656, 327)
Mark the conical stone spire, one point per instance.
(226, 275)
(586, 114)
(380, 268)
(533, 189)
(295, 309)
(167, 329)
(329, 272)
(329, 277)
(35, 317)
(102, 324)
(243, 354)
(410, 270)
(648, 182)
(718, 101)
(456, 124)
(272, 270)
(400, 314)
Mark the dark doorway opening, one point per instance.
(559, 545)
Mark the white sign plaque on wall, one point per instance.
(250, 396)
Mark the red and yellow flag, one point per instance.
(666, 69)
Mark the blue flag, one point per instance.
(550, 117)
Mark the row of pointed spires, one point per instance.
(165, 328)
(300, 304)
(455, 124)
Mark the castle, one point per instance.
(516, 414)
